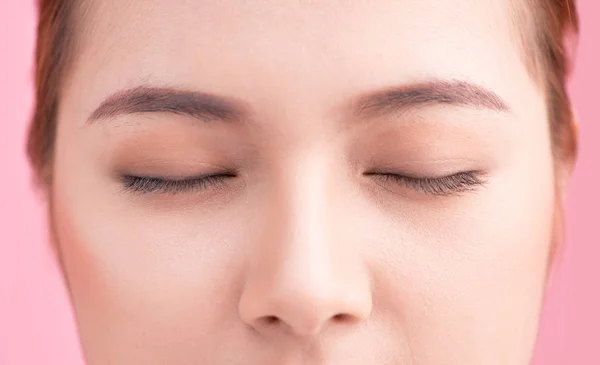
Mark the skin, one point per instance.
(302, 255)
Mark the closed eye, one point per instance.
(159, 185)
(438, 186)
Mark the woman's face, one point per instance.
(300, 182)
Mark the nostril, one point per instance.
(271, 320)
(342, 318)
(267, 323)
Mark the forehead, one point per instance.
(285, 50)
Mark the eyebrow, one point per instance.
(204, 106)
(404, 98)
(146, 99)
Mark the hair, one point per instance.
(543, 28)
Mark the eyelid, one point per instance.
(438, 186)
(169, 185)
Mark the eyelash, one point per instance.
(442, 186)
(155, 185)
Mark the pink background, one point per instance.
(36, 325)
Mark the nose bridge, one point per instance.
(310, 209)
(307, 242)
(306, 273)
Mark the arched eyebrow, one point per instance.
(210, 107)
(426, 94)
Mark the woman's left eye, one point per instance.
(157, 185)
(438, 186)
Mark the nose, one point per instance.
(305, 273)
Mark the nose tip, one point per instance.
(304, 314)
(307, 328)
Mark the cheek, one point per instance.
(142, 280)
(471, 275)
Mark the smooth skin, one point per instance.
(415, 231)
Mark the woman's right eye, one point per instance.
(158, 185)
